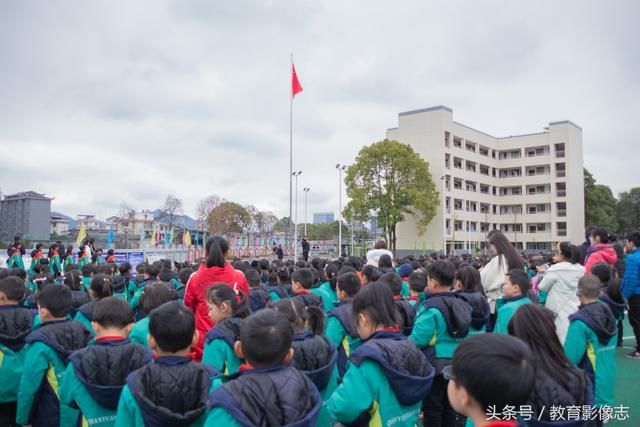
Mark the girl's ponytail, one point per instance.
(299, 314)
(316, 319)
(101, 286)
(221, 292)
(216, 247)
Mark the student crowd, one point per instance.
(433, 341)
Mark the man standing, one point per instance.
(280, 252)
(631, 287)
(305, 249)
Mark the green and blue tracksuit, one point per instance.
(342, 333)
(16, 324)
(96, 375)
(218, 346)
(591, 345)
(48, 349)
(140, 332)
(506, 308)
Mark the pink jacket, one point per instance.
(600, 252)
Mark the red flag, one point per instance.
(296, 87)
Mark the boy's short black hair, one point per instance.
(152, 270)
(253, 277)
(349, 283)
(519, 278)
(304, 276)
(634, 237)
(172, 325)
(13, 288)
(266, 337)
(56, 299)
(141, 267)
(112, 312)
(165, 275)
(18, 272)
(4, 273)
(393, 281)
(184, 275)
(124, 268)
(442, 272)
(589, 286)
(156, 294)
(417, 281)
(495, 369)
(87, 270)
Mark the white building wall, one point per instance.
(539, 165)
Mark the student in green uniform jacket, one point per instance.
(313, 354)
(591, 340)
(96, 375)
(172, 389)
(388, 373)
(101, 287)
(417, 285)
(442, 323)
(280, 394)
(341, 330)
(226, 309)
(153, 296)
(83, 258)
(327, 287)
(16, 323)
(49, 347)
(88, 271)
(68, 259)
(55, 264)
(468, 286)
(36, 255)
(15, 261)
(515, 289)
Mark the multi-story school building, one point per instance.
(528, 186)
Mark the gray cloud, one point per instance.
(104, 102)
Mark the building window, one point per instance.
(562, 229)
(457, 142)
(471, 186)
(470, 146)
(559, 150)
(457, 183)
(457, 163)
(471, 166)
(447, 142)
(561, 189)
(561, 209)
(560, 170)
(484, 151)
(457, 204)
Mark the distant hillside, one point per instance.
(180, 220)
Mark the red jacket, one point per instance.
(195, 295)
(599, 253)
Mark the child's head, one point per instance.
(18, 272)
(101, 286)
(370, 274)
(374, 309)
(300, 316)
(468, 279)
(417, 282)
(589, 289)
(265, 339)
(54, 302)
(87, 270)
(633, 240)
(73, 280)
(172, 329)
(140, 268)
(165, 275)
(405, 270)
(124, 269)
(393, 281)
(348, 285)
(112, 317)
(184, 275)
(441, 275)
(302, 278)
(11, 290)
(151, 271)
(224, 302)
(253, 278)
(154, 295)
(283, 275)
(489, 370)
(516, 283)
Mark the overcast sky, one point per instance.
(110, 101)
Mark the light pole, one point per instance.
(444, 216)
(340, 169)
(295, 223)
(306, 192)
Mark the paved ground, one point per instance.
(627, 392)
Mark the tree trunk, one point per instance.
(392, 242)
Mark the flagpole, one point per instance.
(290, 156)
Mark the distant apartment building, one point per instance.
(134, 222)
(323, 217)
(58, 225)
(90, 222)
(530, 186)
(25, 214)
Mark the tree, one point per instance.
(228, 217)
(283, 224)
(204, 208)
(264, 222)
(599, 204)
(171, 210)
(628, 212)
(389, 181)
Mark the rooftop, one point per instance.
(27, 195)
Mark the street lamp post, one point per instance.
(295, 223)
(306, 192)
(340, 168)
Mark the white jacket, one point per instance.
(561, 283)
(373, 256)
(492, 277)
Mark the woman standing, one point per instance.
(214, 271)
(492, 275)
(561, 282)
(600, 250)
